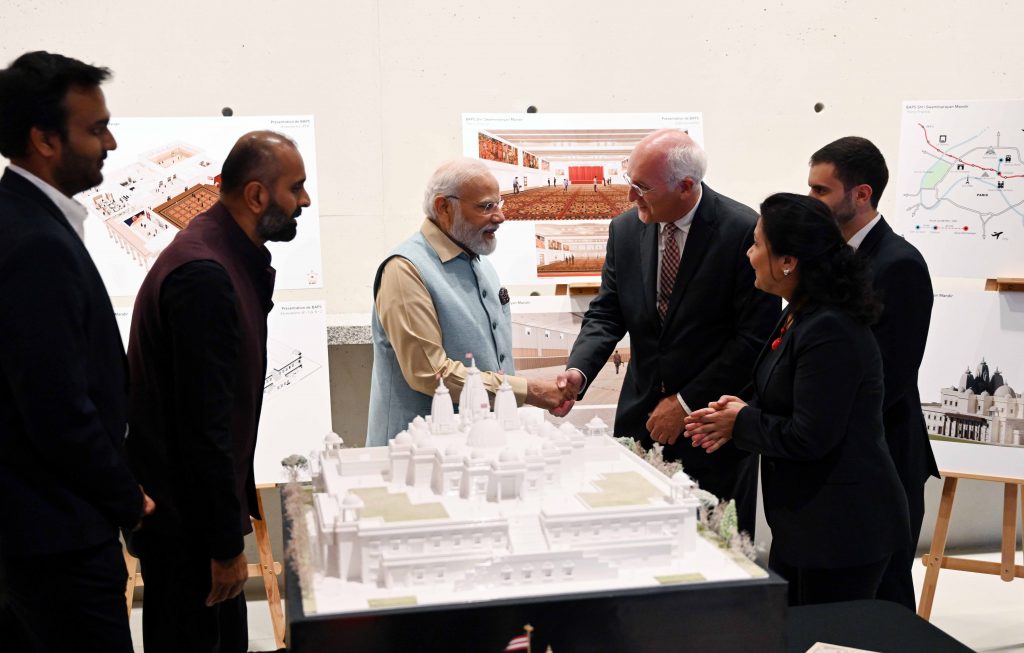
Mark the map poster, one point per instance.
(164, 172)
(960, 189)
(561, 177)
(297, 391)
(971, 380)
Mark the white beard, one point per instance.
(473, 239)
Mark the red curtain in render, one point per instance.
(585, 174)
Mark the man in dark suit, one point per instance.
(676, 278)
(849, 175)
(64, 483)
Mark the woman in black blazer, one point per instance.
(831, 493)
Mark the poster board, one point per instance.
(976, 338)
(164, 172)
(561, 176)
(960, 189)
(167, 170)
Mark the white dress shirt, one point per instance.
(862, 233)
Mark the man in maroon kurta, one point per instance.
(197, 356)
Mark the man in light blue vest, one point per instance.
(436, 299)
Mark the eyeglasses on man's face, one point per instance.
(639, 190)
(487, 207)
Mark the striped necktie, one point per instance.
(669, 268)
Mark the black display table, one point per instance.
(730, 616)
(743, 615)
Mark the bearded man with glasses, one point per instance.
(436, 299)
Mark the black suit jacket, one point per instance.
(831, 493)
(64, 484)
(715, 324)
(904, 286)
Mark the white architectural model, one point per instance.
(498, 503)
(978, 408)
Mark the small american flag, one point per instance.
(521, 643)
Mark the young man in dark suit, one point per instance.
(849, 175)
(676, 278)
(64, 483)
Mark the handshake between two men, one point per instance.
(668, 420)
(708, 428)
(556, 396)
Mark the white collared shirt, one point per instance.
(73, 212)
(862, 233)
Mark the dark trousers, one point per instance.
(176, 582)
(897, 581)
(71, 601)
(809, 586)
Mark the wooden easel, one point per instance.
(267, 567)
(936, 559)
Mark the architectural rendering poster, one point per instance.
(297, 393)
(561, 178)
(960, 190)
(164, 172)
(544, 330)
(970, 382)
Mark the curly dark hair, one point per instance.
(831, 273)
(32, 93)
